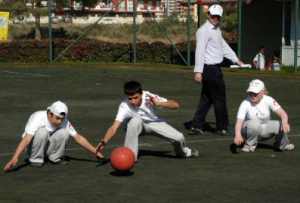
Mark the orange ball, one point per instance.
(122, 159)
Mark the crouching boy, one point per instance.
(137, 111)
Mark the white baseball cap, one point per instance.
(216, 10)
(256, 86)
(58, 108)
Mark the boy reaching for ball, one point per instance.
(137, 111)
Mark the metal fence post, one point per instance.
(50, 31)
(240, 22)
(189, 34)
(134, 27)
(296, 35)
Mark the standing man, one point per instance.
(210, 51)
(46, 135)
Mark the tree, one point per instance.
(35, 11)
(35, 8)
(18, 7)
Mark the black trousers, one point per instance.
(213, 93)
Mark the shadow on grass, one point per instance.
(265, 146)
(70, 158)
(237, 149)
(164, 154)
(17, 168)
(122, 173)
(207, 126)
(100, 162)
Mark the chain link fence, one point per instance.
(142, 31)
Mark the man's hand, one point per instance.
(12, 163)
(198, 77)
(240, 63)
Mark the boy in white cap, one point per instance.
(46, 135)
(253, 120)
(137, 111)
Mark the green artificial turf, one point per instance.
(93, 95)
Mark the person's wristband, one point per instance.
(103, 142)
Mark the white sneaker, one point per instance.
(288, 147)
(248, 148)
(194, 153)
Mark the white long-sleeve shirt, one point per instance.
(211, 47)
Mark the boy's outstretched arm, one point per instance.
(84, 143)
(111, 131)
(21, 147)
(238, 138)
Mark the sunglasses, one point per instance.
(216, 16)
(252, 94)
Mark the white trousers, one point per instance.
(46, 144)
(254, 131)
(136, 126)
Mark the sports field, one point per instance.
(93, 94)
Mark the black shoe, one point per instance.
(196, 131)
(208, 127)
(188, 125)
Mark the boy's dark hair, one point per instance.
(132, 87)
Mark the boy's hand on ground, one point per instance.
(238, 140)
(100, 148)
(10, 165)
(285, 127)
(99, 155)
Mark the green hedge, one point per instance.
(29, 51)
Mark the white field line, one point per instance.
(3, 154)
(26, 74)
